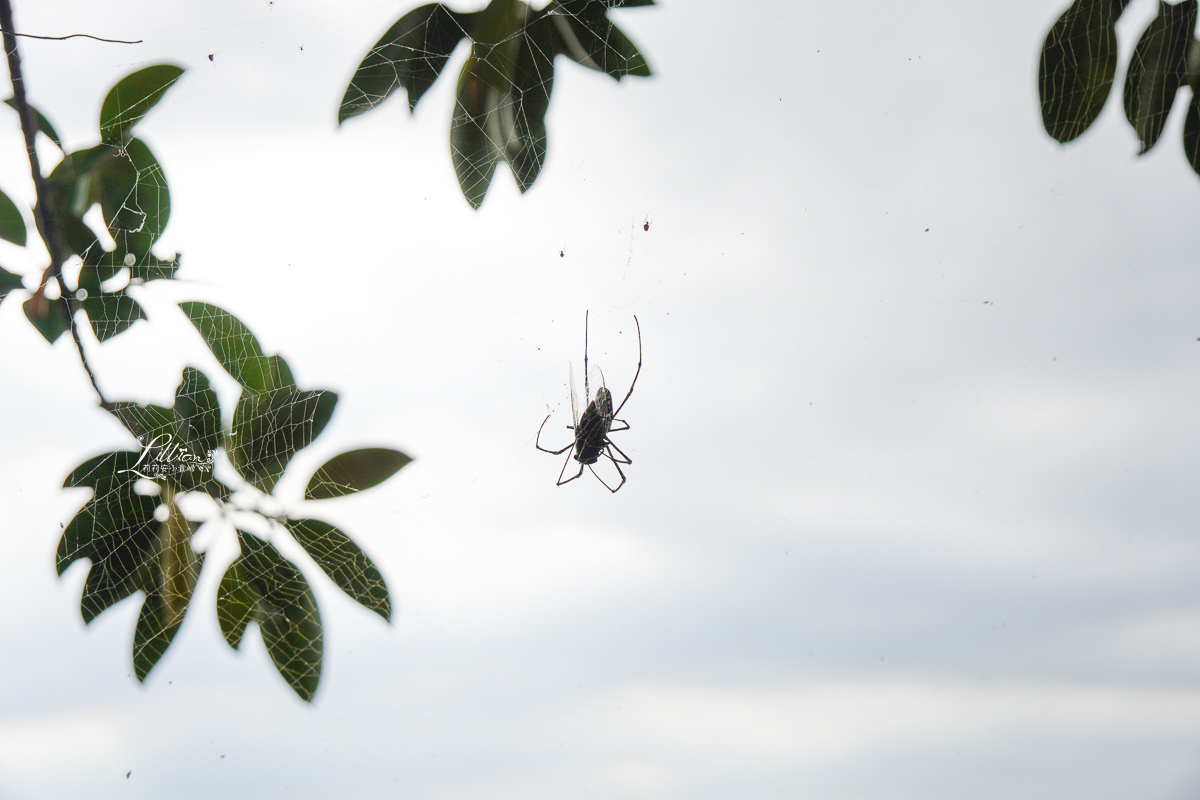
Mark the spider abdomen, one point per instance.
(591, 435)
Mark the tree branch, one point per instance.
(44, 210)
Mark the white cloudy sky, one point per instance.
(912, 512)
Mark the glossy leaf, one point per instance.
(237, 349)
(590, 38)
(411, 54)
(264, 587)
(8, 282)
(12, 222)
(271, 427)
(133, 97)
(354, 471)
(1077, 66)
(1156, 70)
(49, 317)
(474, 144)
(40, 121)
(344, 562)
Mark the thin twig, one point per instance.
(73, 35)
(46, 217)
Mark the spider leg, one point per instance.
(608, 446)
(605, 485)
(639, 366)
(537, 441)
(564, 469)
(623, 422)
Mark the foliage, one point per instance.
(504, 88)
(132, 530)
(1079, 63)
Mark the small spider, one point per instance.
(646, 223)
(593, 427)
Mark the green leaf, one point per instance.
(271, 427)
(236, 348)
(1156, 70)
(111, 313)
(171, 583)
(474, 148)
(590, 38)
(344, 562)
(152, 425)
(354, 471)
(411, 55)
(12, 222)
(197, 412)
(40, 121)
(235, 604)
(524, 130)
(264, 587)
(134, 199)
(48, 316)
(1078, 62)
(133, 97)
(130, 550)
(8, 282)
(198, 431)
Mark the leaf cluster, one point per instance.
(1079, 63)
(122, 176)
(504, 87)
(133, 530)
(137, 538)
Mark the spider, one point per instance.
(593, 427)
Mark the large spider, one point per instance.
(592, 429)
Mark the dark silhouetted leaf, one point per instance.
(590, 38)
(344, 562)
(197, 412)
(40, 121)
(111, 313)
(262, 586)
(524, 129)
(236, 598)
(133, 97)
(474, 149)
(354, 471)
(271, 427)
(134, 199)
(48, 316)
(1078, 63)
(12, 223)
(236, 348)
(1156, 69)
(8, 282)
(411, 55)
(177, 568)
(1191, 133)
(130, 550)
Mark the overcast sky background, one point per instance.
(913, 506)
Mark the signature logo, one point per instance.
(162, 456)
